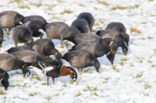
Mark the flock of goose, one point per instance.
(88, 45)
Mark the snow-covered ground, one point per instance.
(132, 78)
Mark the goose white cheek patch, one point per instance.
(42, 31)
(111, 43)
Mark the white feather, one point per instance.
(1, 79)
(42, 31)
(66, 63)
(111, 43)
(48, 69)
(21, 23)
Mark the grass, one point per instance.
(81, 5)
(79, 94)
(85, 90)
(119, 8)
(144, 22)
(66, 11)
(122, 63)
(2, 92)
(20, 98)
(87, 71)
(48, 98)
(139, 75)
(37, 5)
(124, 59)
(140, 59)
(19, 85)
(149, 37)
(65, 85)
(44, 84)
(142, 38)
(135, 30)
(147, 86)
(124, 7)
(114, 68)
(60, 1)
(153, 65)
(33, 94)
(99, 23)
(149, 61)
(132, 65)
(91, 88)
(24, 7)
(105, 80)
(15, 1)
(95, 94)
(35, 77)
(103, 2)
(71, 82)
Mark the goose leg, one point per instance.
(47, 80)
(15, 44)
(53, 80)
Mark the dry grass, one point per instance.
(37, 5)
(144, 22)
(33, 94)
(87, 71)
(135, 30)
(124, 7)
(66, 11)
(119, 8)
(147, 86)
(124, 59)
(35, 77)
(50, 13)
(149, 37)
(121, 63)
(99, 23)
(103, 2)
(24, 7)
(2, 92)
(79, 94)
(139, 75)
(17, 1)
(81, 5)
(151, 0)
(114, 68)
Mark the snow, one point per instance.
(130, 80)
